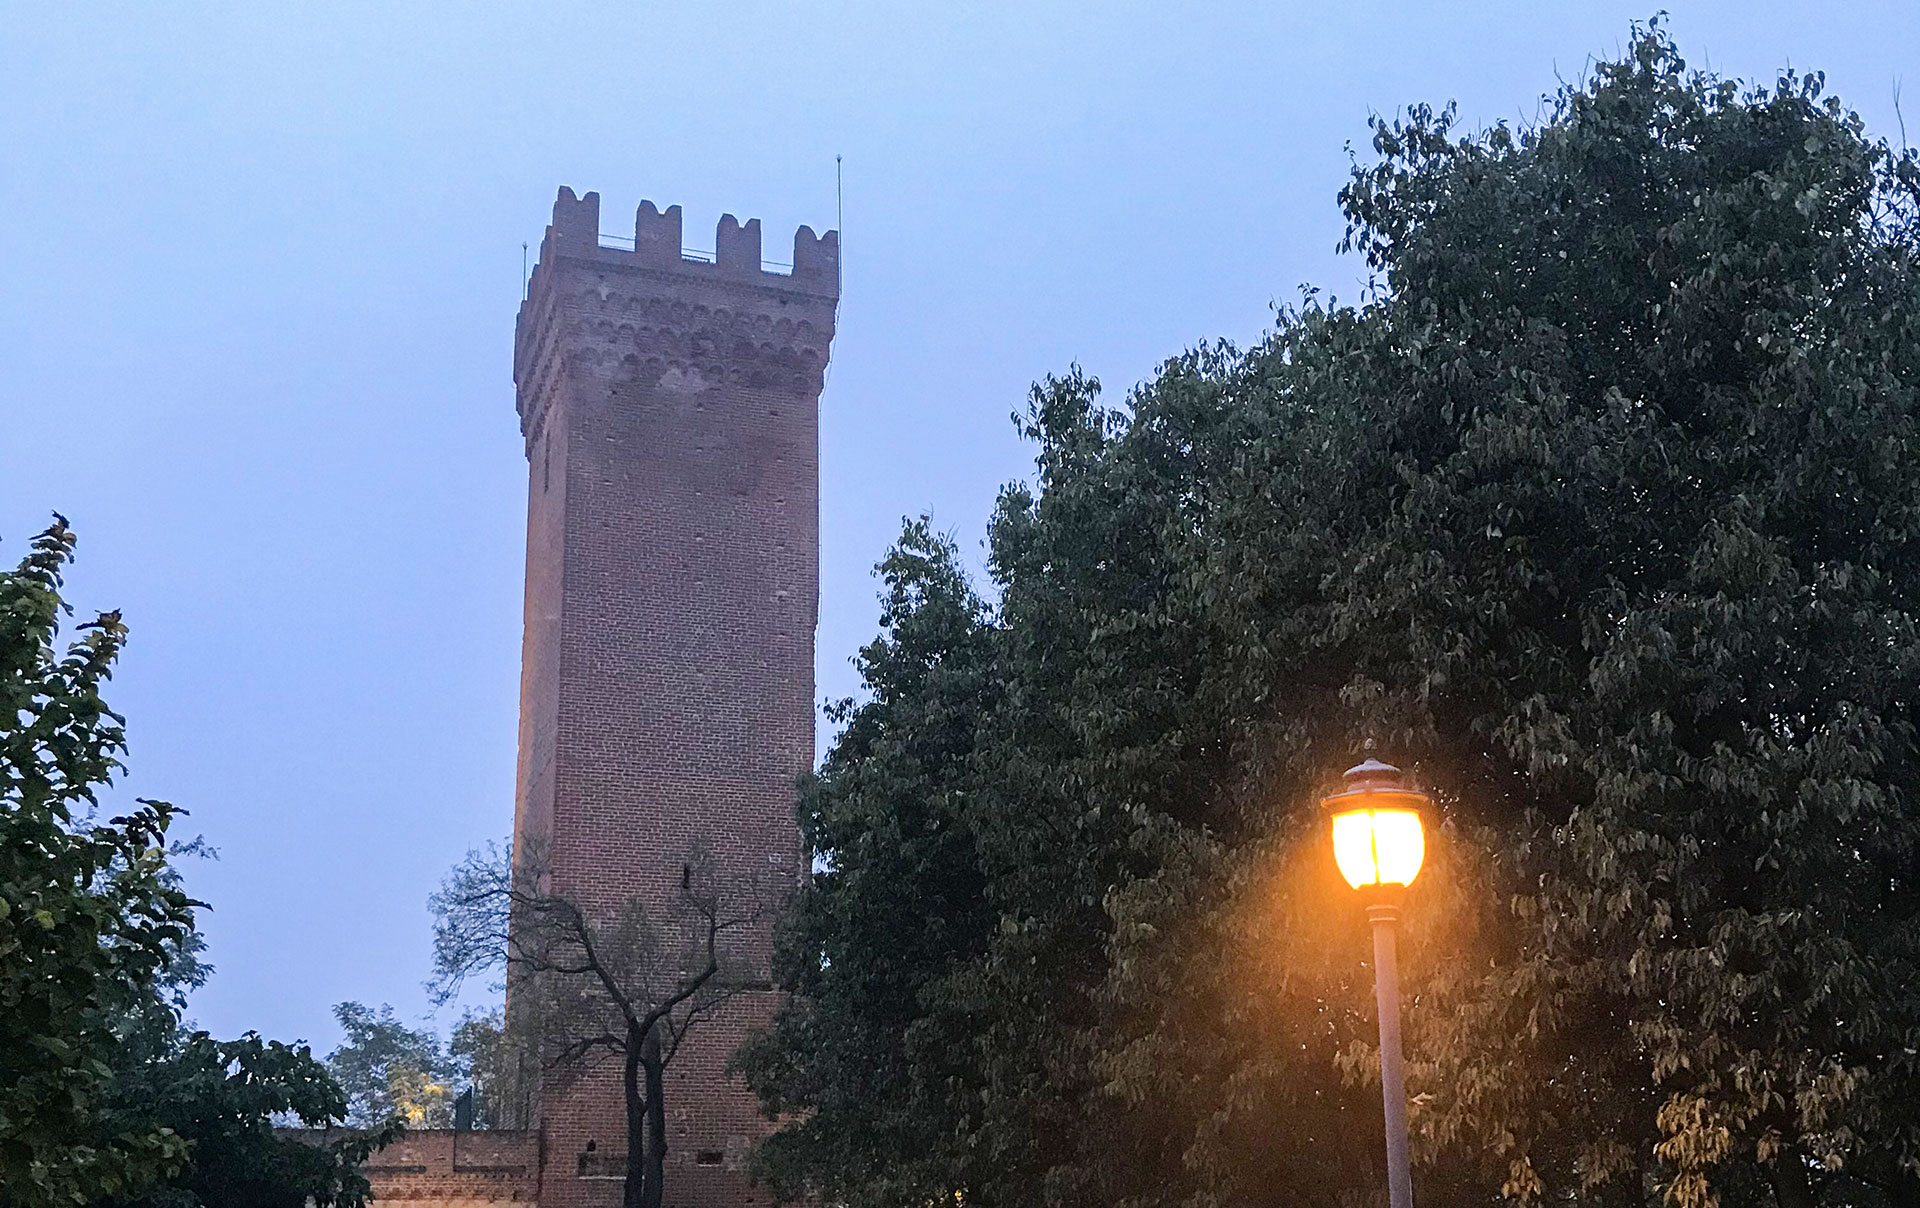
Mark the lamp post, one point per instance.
(1378, 844)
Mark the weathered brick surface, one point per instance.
(670, 413)
(446, 1169)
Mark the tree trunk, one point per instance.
(1791, 1186)
(633, 1195)
(655, 1065)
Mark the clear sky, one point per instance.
(260, 268)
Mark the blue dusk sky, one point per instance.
(261, 265)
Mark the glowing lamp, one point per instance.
(1378, 845)
(1377, 839)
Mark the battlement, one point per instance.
(657, 239)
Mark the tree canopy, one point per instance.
(106, 1098)
(388, 1070)
(87, 915)
(1600, 511)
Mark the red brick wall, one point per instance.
(670, 410)
(440, 1167)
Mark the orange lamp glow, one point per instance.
(1377, 835)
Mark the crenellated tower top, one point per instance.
(575, 232)
(654, 312)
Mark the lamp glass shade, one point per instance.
(1378, 846)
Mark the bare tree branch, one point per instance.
(592, 981)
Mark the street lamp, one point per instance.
(1378, 844)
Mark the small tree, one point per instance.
(627, 985)
(389, 1070)
(478, 1052)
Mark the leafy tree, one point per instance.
(225, 1099)
(481, 1053)
(87, 916)
(390, 1071)
(591, 990)
(1599, 510)
(104, 1097)
(870, 1047)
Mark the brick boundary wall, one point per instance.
(494, 1168)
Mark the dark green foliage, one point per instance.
(225, 1098)
(87, 914)
(1603, 513)
(877, 1035)
(104, 1098)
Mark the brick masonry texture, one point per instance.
(437, 1166)
(670, 411)
(454, 1170)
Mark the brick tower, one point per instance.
(670, 409)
